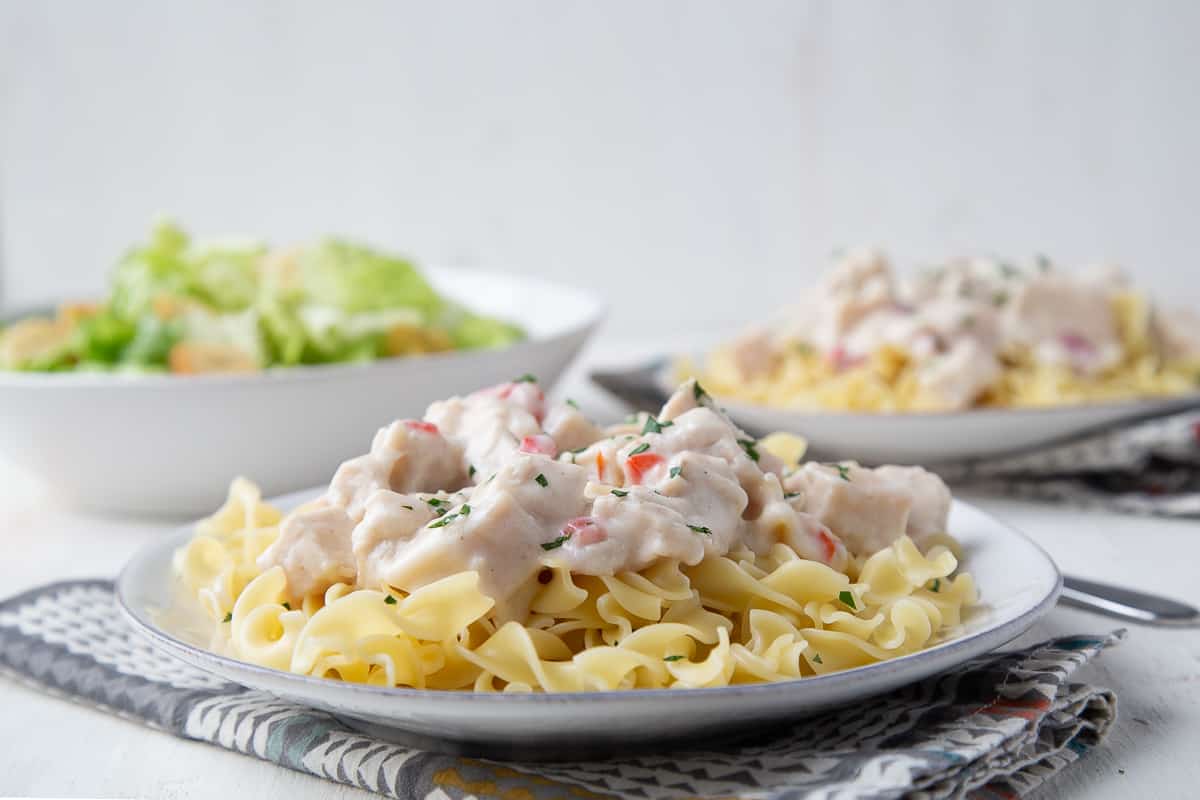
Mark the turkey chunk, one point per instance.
(314, 550)
(406, 456)
(866, 512)
(930, 501)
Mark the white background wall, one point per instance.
(692, 160)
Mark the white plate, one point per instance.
(166, 444)
(1018, 583)
(931, 436)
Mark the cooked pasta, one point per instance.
(978, 333)
(774, 592)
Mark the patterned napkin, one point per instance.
(994, 728)
(1150, 467)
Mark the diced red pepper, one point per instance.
(418, 425)
(840, 359)
(585, 530)
(828, 546)
(638, 465)
(1077, 344)
(539, 444)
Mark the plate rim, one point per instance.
(973, 645)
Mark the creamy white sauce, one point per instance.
(480, 485)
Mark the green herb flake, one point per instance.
(557, 543)
(641, 448)
(701, 529)
(526, 378)
(676, 472)
(433, 501)
(228, 617)
(540, 480)
(698, 392)
(749, 446)
(407, 507)
(654, 426)
(843, 471)
(444, 521)
(936, 586)
(817, 658)
(465, 510)
(579, 450)
(999, 298)
(672, 658)
(471, 471)
(847, 599)
(620, 492)
(572, 403)
(287, 605)
(792, 495)
(391, 601)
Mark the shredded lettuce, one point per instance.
(354, 278)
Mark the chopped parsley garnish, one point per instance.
(817, 658)
(438, 505)
(848, 599)
(672, 658)
(791, 495)
(676, 472)
(433, 501)
(698, 392)
(937, 585)
(471, 471)
(391, 601)
(540, 480)
(641, 448)
(465, 510)
(407, 507)
(843, 471)
(748, 446)
(444, 521)
(579, 450)
(654, 426)
(557, 543)
(572, 403)
(287, 605)
(701, 529)
(526, 378)
(619, 492)
(228, 617)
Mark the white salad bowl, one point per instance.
(169, 445)
(1017, 581)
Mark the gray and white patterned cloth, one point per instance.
(1151, 467)
(994, 728)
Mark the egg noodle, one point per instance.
(739, 618)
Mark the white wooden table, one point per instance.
(52, 748)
